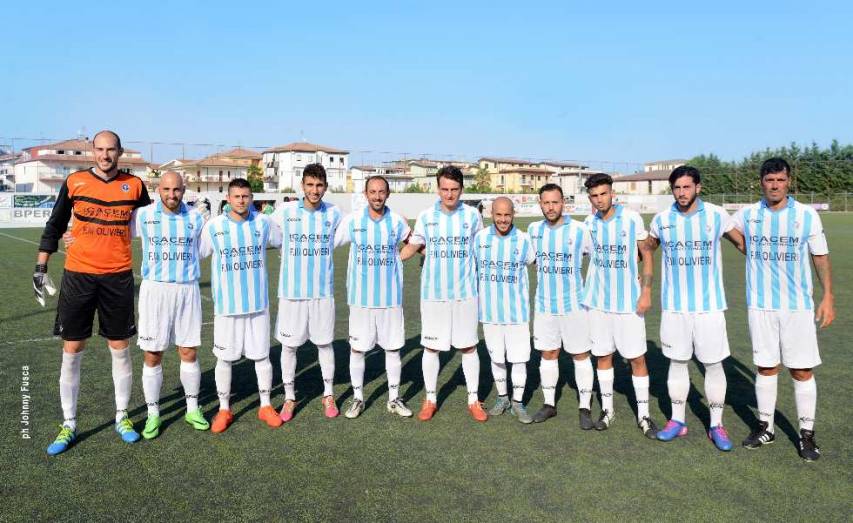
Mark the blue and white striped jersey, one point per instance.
(169, 243)
(374, 271)
(778, 243)
(691, 260)
(502, 275)
(449, 271)
(308, 241)
(612, 279)
(238, 268)
(559, 264)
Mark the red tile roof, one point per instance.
(305, 147)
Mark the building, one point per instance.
(283, 166)
(423, 172)
(213, 173)
(398, 179)
(7, 169)
(654, 179)
(43, 168)
(517, 175)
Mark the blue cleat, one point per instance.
(125, 430)
(720, 438)
(64, 440)
(673, 429)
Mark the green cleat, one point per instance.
(62, 442)
(196, 420)
(152, 427)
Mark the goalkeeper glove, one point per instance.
(42, 282)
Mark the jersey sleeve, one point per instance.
(342, 236)
(143, 198)
(275, 232)
(737, 219)
(727, 223)
(587, 241)
(478, 222)
(530, 255)
(817, 238)
(57, 224)
(136, 224)
(418, 236)
(642, 233)
(404, 229)
(654, 227)
(205, 246)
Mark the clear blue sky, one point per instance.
(637, 82)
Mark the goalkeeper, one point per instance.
(98, 277)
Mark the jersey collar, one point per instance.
(181, 210)
(616, 215)
(440, 209)
(496, 234)
(789, 202)
(385, 213)
(700, 207)
(302, 205)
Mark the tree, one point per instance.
(482, 182)
(256, 178)
(415, 188)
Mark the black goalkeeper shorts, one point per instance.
(81, 294)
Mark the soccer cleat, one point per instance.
(720, 437)
(428, 410)
(806, 447)
(585, 419)
(64, 440)
(196, 420)
(759, 437)
(329, 408)
(222, 421)
(501, 406)
(287, 410)
(673, 429)
(124, 428)
(356, 407)
(399, 408)
(604, 420)
(152, 427)
(520, 412)
(477, 412)
(543, 414)
(648, 427)
(268, 415)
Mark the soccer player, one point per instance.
(98, 277)
(502, 253)
(780, 236)
(237, 242)
(616, 301)
(693, 299)
(306, 297)
(560, 244)
(375, 291)
(448, 288)
(169, 297)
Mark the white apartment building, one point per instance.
(398, 179)
(653, 180)
(213, 173)
(283, 166)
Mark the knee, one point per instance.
(801, 374)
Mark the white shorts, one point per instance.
(301, 320)
(242, 335)
(789, 337)
(572, 329)
(704, 333)
(613, 331)
(449, 323)
(169, 314)
(369, 327)
(508, 342)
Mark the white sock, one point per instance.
(641, 391)
(191, 380)
(715, 391)
(263, 371)
(499, 374)
(288, 371)
(356, 373)
(471, 370)
(222, 374)
(549, 373)
(122, 380)
(805, 395)
(584, 378)
(678, 385)
(69, 387)
(393, 367)
(430, 365)
(765, 398)
(327, 368)
(519, 380)
(605, 385)
(152, 381)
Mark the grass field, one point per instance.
(378, 467)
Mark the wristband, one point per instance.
(41, 268)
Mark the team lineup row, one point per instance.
(470, 275)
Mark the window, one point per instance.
(341, 159)
(60, 152)
(220, 175)
(220, 188)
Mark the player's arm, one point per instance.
(415, 243)
(825, 313)
(342, 236)
(735, 232)
(205, 244)
(55, 227)
(647, 257)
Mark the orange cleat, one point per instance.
(329, 407)
(428, 410)
(477, 412)
(287, 409)
(222, 421)
(269, 416)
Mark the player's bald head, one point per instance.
(503, 204)
(172, 179)
(106, 133)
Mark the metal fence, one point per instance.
(837, 202)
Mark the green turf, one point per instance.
(383, 468)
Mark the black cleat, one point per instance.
(648, 427)
(585, 417)
(547, 411)
(807, 447)
(759, 437)
(604, 420)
